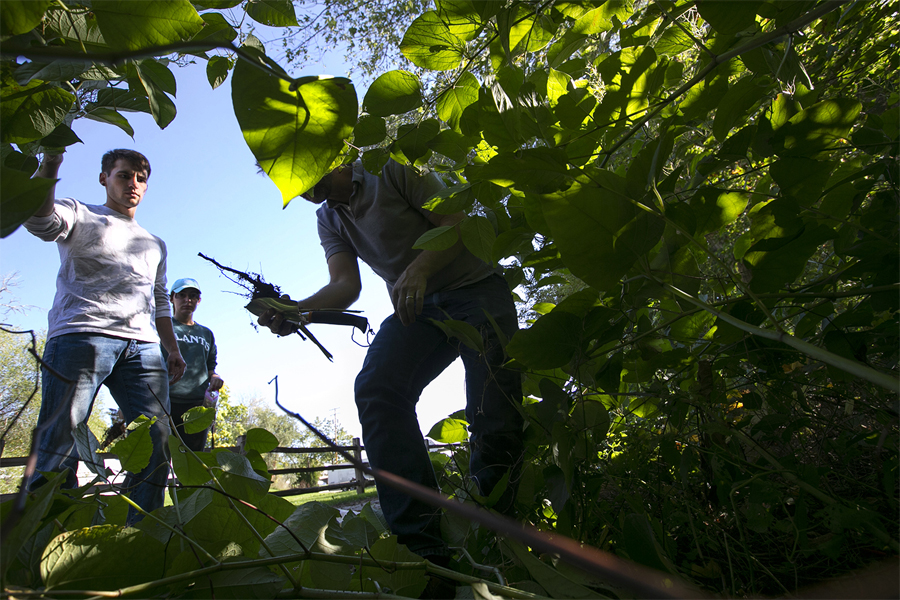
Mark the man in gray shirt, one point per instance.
(378, 218)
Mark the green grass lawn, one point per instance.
(334, 498)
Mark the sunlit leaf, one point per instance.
(139, 24)
(275, 13)
(32, 111)
(393, 93)
(454, 100)
(260, 440)
(429, 43)
(106, 557)
(198, 419)
(295, 136)
(449, 431)
(135, 449)
(437, 239)
(21, 16)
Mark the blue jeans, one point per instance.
(400, 362)
(133, 372)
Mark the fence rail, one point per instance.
(356, 449)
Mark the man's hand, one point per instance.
(215, 383)
(408, 295)
(175, 365)
(276, 322)
(50, 165)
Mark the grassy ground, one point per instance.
(335, 498)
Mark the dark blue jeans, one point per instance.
(134, 372)
(400, 363)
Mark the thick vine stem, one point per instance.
(118, 57)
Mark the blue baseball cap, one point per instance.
(183, 284)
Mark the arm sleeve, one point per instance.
(213, 356)
(55, 227)
(329, 236)
(160, 294)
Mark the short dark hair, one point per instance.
(137, 160)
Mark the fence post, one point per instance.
(360, 476)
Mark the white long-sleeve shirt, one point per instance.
(112, 274)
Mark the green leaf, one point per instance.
(454, 100)
(275, 13)
(600, 233)
(737, 102)
(462, 331)
(819, 127)
(713, 208)
(451, 200)
(801, 178)
(551, 342)
(729, 17)
(217, 70)
(540, 170)
(215, 29)
(512, 241)
(60, 137)
(88, 446)
(37, 504)
(155, 78)
(119, 99)
(525, 30)
(21, 16)
(30, 112)
(437, 239)
(369, 131)
(260, 440)
(198, 419)
(413, 140)
(295, 136)
(449, 431)
(557, 584)
(452, 144)
(393, 93)
(136, 25)
(20, 197)
(257, 582)
(673, 41)
(405, 582)
(108, 115)
(599, 19)
(641, 543)
(135, 449)
(315, 525)
(105, 557)
(478, 235)
(56, 70)
(429, 43)
(239, 478)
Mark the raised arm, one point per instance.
(49, 169)
(341, 291)
(408, 293)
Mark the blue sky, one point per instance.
(205, 196)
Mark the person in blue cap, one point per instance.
(198, 347)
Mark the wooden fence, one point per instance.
(355, 450)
